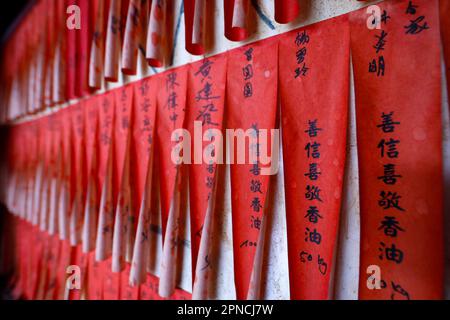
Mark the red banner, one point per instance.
(205, 105)
(400, 151)
(314, 82)
(251, 107)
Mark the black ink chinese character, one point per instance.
(206, 116)
(391, 145)
(256, 186)
(205, 69)
(389, 176)
(314, 172)
(390, 226)
(379, 46)
(172, 100)
(313, 214)
(411, 9)
(415, 28)
(389, 200)
(391, 253)
(171, 81)
(387, 125)
(249, 54)
(313, 236)
(256, 222)
(301, 38)
(301, 54)
(247, 71)
(312, 128)
(385, 17)
(256, 170)
(313, 193)
(205, 93)
(256, 204)
(313, 150)
(301, 71)
(378, 69)
(248, 90)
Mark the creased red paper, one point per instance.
(399, 133)
(236, 16)
(194, 19)
(105, 176)
(204, 120)
(251, 106)
(143, 124)
(123, 223)
(314, 82)
(286, 10)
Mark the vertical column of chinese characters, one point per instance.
(106, 141)
(313, 195)
(389, 200)
(255, 184)
(301, 40)
(207, 114)
(247, 73)
(145, 105)
(378, 64)
(172, 97)
(125, 119)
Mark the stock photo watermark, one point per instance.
(243, 147)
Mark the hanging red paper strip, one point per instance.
(43, 154)
(123, 223)
(399, 132)
(235, 14)
(127, 291)
(155, 34)
(105, 176)
(84, 41)
(143, 124)
(204, 119)
(54, 136)
(111, 281)
(71, 54)
(62, 264)
(314, 82)
(171, 106)
(78, 170)
(444, 10)
(251, 106)
(94, 278)
(91, 153)
(98, 44)
(80, 259)
(50, 43)
(60, 63)
(131, 37)
(194, 19)
(286, 10)
(65, 196)
(113, 40)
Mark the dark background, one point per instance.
(9, 12)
